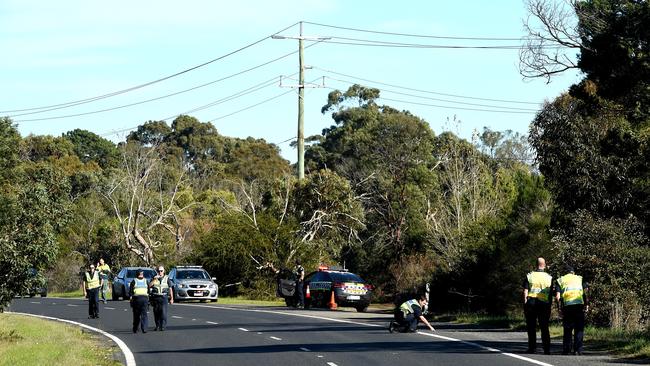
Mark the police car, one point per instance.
(193, 283)
(345, 288)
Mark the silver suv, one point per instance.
(193, 283)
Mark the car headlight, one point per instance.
(182, 285)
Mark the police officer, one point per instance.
(139, 291)
(91, 284)
(408, 314)
(538, 295)
(104, 272)
(300, 282)
(572, 296)
(161, 293)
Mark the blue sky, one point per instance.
(58, 52)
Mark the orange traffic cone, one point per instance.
(332, 304)
(307, 293)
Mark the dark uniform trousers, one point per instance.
(300, 293)
(573, 321)
(159, 303)
(140, 318)
(538, 311)
(408, 323)
(93, 302)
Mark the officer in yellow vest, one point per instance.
(161, 294)
(139, 291)
(539, 291)
(572, 296)
(91, 284)
(104, 273)
(408, 314)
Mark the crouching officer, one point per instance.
(573, 297)
(161, 293)
(408, 314)
(139, 291)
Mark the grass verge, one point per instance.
(30, 341)
(629, 344)
(73, 294)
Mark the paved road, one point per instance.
(217, 335)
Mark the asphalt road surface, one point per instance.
(210, 334)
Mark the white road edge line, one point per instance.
(276, 338)
(34, 302)
(177, 317)
(332, 364)
(128, 355)
(212, 323)
(72, 305)
(106, 307)
(494, 350)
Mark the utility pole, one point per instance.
(301, 96)
(301, 107)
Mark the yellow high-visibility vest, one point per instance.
(539, 285)
(104, 269)
(160, 286)
(140, 287)
(407, 306)
(92, 282)
(571, 289)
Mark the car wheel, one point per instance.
(124, 296)
(362, 308)
(114, 296)
(44, 294)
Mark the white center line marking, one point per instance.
(276, 338)
(177, 317)
(125, 310)
(72, 305)
(106, 307)
(331, 364)
(305, 349)
(212, 323)
(259, 332)
(320, 356)
(34, 302)
(193, 320)
(53, 303)
(243, 329)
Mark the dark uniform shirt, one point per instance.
(300, 270)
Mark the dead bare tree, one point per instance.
(553, 38)
(144, 198)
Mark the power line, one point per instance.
(414, 35)
(425, 91)
(443, 100)
(457, 108)
(370, 43)
(157, 98)
(380, 43)
(108, 95)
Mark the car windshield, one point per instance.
(148, 274)
(345, 277)
(192, 275)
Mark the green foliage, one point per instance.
(612, 254)
(34, 201)
(91, 147)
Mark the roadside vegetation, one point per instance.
(397, 202)
(30, 341)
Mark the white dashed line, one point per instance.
(259, 332)
(125, 310)
(177, 317)
(320, 356)
(305, 349)
(332, 364)
(212, 323)
(243, 329)
(193, 320)
(276, 338)
(34, 302)
(72, 305)
(107, 308)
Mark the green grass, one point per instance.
(629, 344)
(30, 341)
(77, 293)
